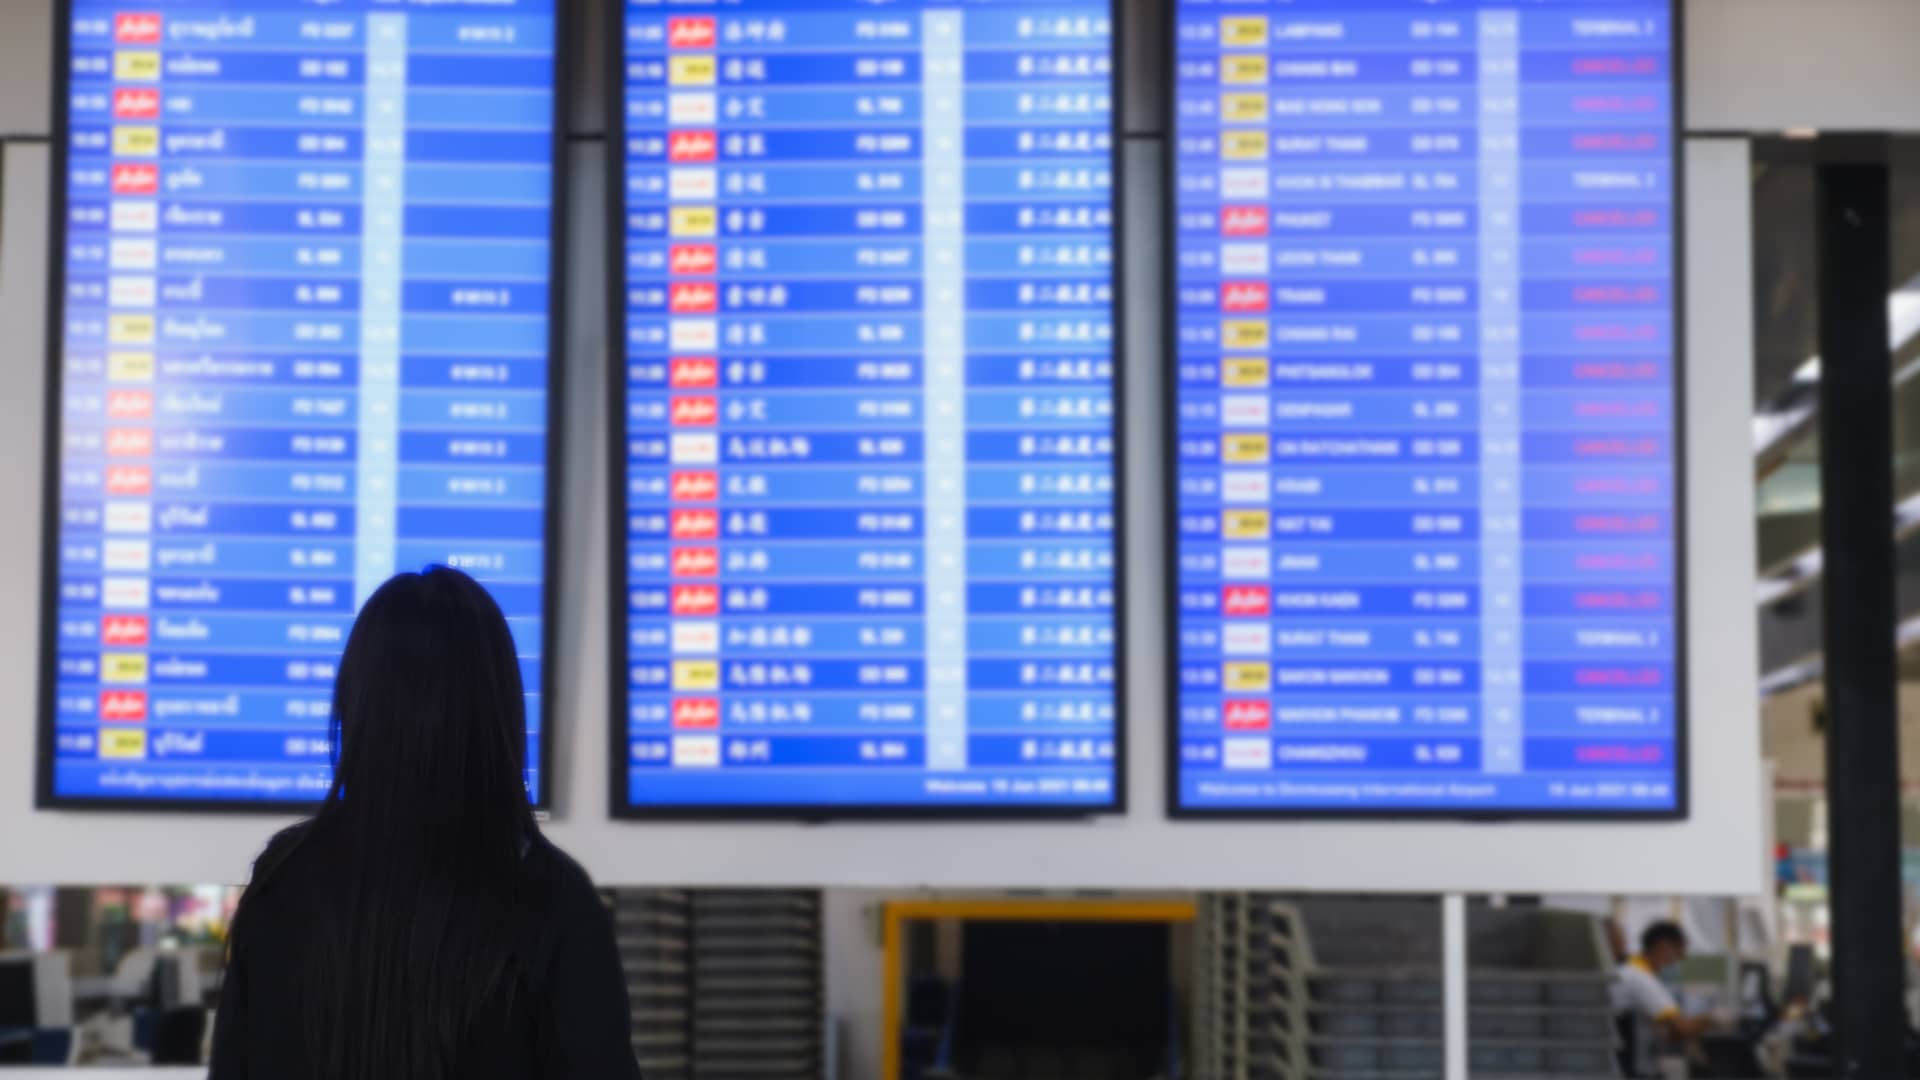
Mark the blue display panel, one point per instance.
(868, 530)
(1426, 432)
(300, 341)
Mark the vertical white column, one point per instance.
(1453, 976)
(1501, 644)
(383, 213)
(943, 353)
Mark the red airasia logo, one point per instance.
(1244, 221)
(123, 630)
(696, 713)
(1246, 601)
(1247, 715)
(124, 706)
(694, 525)
(693, 259)
(703, 486)
(130, 404)
(693, 298)
(129, 480)
(136, 103)
(695, 411)
(136, 179)
(693, 373)
(1244, 296)
(696, 562)
(129, 442)
(137, 28)
(692, 146)
(691, 33)
(696, 599)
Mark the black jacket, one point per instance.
(569, 1018)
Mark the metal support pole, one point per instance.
(1453, 979)
(1863, 738)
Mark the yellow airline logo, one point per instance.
(123, 744)
(1246, 677)
(696, 675)
(1249, 448)
(130, 330)
(1243, 32)
(123, 667)
(136, 142)
(134, 66)
(1246, 525)
(1243, 145)
(1243, 108)
(694, 221)
(693, 70)
(1244, 334)
(1247, 70)
(1245, 371)
(129, 367)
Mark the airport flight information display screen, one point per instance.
(868, 542)
(1425, 421)
(303, 344)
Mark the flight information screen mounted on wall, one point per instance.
(867, 527)
(1426, 428)
(300, 341)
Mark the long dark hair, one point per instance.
(421, 839)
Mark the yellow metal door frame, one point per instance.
(895, 914)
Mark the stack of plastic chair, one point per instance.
(654, 929)
(1325, 989)
(759, 1000)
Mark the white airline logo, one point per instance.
(694, 335)
(135, 216)
(1244, 258)
(131, 292)
(1245, 639)
(127, 555)
(130, 517)
(696, 637)
(693, 109)
(1244, 182)
(133, 255)
(126, 594)
(1244, 410)
(1246, 563)
(700, 184)
(696, 751)
(1246, 753)
(1244, 488)
(695, 448)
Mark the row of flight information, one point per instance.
(863, 396)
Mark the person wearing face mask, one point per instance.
(1645, 1002)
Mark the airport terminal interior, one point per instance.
(1043, 539)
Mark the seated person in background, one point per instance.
(1645, 1003)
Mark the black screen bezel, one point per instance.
(618, 802)
(1170, 344)
(45, 797)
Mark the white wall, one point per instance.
(1835, 65)
(1718, 851)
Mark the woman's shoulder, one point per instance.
(566, 879)
(280, 850)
